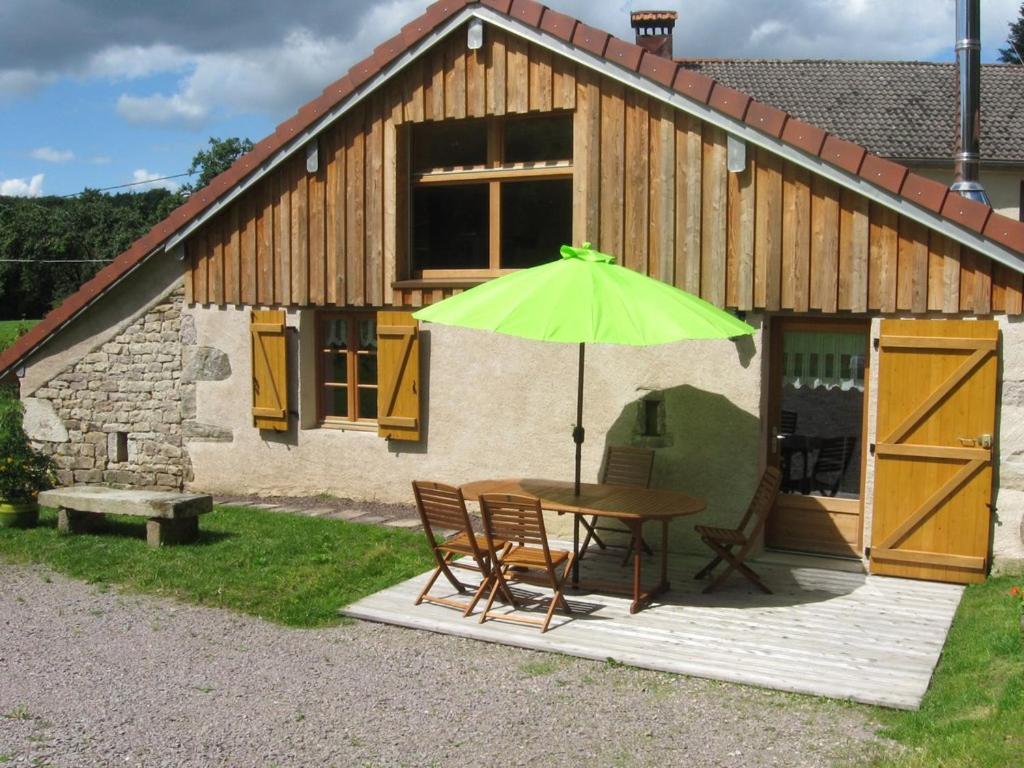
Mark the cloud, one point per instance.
(101, 160)
(51, 155)
(136, 61)
(146, 180)
(160, 109)
(20, 82)
(21, 188)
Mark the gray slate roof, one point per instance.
(905, 110)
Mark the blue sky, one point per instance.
(99, 93)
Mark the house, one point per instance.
(259, 339)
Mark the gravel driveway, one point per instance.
(93, 677)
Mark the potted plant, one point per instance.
(24, 472)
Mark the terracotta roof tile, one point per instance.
(415, 31)
(442, 10)
(966, 213)
(693, 85)
(884, 173)
(558, 24)
(766, 118)
(501, 6)
(845, 154)
(590, 39)
(363, 71)
(1006, 231)
(803, 136)
(659, 69)
(925, 192)
(527, 11)
(389, 50)
(624, 54)
(729, 100)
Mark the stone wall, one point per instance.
(123, 412)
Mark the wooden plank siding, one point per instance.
(650, 185)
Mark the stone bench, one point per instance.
(171, 518)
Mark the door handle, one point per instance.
(981, 441)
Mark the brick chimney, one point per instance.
(654, 30)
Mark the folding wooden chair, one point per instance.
(744, 537)
(442, 508)
(526, 557)
(833, 460)
(622, 466)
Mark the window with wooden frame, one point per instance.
(489, 195)
(347, 368)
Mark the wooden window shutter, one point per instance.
(269, 370)
(398, 376)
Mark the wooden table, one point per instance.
(634, 506)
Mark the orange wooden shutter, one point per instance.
(933, 458)
(398, 376)
(269, 370)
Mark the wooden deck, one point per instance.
(830, 633)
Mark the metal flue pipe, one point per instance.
(968, 60)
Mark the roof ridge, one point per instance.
(852, 158)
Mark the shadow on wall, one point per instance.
(704, 446)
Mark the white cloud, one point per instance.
(135, 61)
(161, 110)
(21, 188)
(152, 181)
(101, 160)
(766, 30)
(51, 155)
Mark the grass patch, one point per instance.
(973, 713)
(11, 329)
(291, 570)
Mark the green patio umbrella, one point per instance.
(582, 298)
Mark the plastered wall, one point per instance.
(496, 406)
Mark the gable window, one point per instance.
(347, 367)
(490, 195)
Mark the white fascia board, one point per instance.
(637, 82)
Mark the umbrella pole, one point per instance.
(577, 437)
(578, 432)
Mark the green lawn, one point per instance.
(288, 569)
(10, 329)
(973, 713)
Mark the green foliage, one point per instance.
(1014, 49)
(208, 163)
(289, 569)
(24, 472)
(10, 330)
(93, 225)
(974, 708)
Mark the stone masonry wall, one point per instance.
(133, 395)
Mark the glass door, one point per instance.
(819, 374)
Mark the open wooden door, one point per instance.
(933, 457)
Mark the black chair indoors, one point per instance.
(834, 454)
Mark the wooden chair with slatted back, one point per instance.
(744, 537)
(832, 462)
(623, 465)
(442, 508)
(526, 558)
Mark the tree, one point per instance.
(1015, 42)
(208, 163)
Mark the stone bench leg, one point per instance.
(161, 532)
(73, 521)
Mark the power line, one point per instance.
(131, 184)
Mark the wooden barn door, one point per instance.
(933, 456)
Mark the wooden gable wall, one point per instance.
(650, 185)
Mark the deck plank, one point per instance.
(843, 635)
